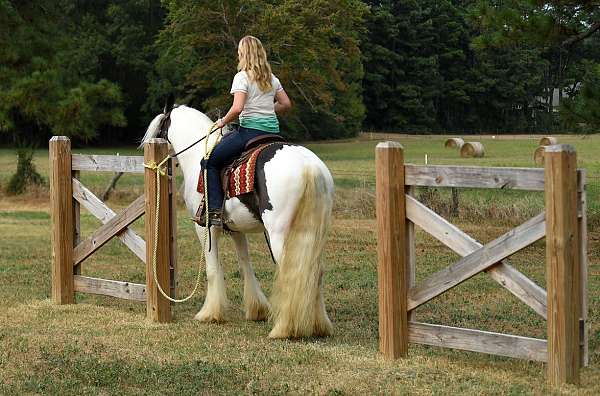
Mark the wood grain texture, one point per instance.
(478, 341)
(530, 179)
(563, 265)
(411, 253)
(158, 308)
(477, 261)
(105, 287)
(583, 259)
(108, 230)
(103, 213)
(173, 227)
(108, 163)
(391, 251)
(518, 284)
(76, 222)
(61, 207)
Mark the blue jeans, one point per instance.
(230, 147)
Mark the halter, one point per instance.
(163, 132)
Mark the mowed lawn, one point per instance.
(105, 346)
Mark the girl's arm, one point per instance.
(282, 102)
(239, 99)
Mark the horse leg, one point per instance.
(216, 303)
(255, 303)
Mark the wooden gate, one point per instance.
(69, 250)
(563, 223)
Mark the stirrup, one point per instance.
(215, 218)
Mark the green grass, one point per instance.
(104, 346)
(353, 166)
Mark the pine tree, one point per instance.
(401, 73)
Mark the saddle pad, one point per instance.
(239, 176)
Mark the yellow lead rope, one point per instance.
(159, 170)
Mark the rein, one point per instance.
(165, 124)
(195, 143)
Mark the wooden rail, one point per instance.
(563, 223)
(67, 195)
(531, 179)
(108, 163)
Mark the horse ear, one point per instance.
(170, 103)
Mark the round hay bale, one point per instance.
(454, 143)
(548, 141)
(472, 150)
(538, 155)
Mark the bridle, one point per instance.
(163, 132)
(165, 124)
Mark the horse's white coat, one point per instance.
(287, 185)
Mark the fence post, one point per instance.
(562, 264)
(158, 308)
(583, 268)
(391, 250)
(173, 226)
(61, 206)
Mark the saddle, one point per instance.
(237, 178)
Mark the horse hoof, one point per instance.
(276, 334)
(257, 312)
(210, 317)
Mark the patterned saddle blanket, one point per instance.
(238, 177)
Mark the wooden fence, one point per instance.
(563, 224)
(69, 249)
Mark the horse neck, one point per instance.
(181, 136)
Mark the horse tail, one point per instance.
(298, 305)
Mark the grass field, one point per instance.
(104, 346)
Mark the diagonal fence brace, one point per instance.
(484, 257)
(502, 272)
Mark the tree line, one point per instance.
(100, 70)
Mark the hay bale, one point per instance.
(454, 143)
(472, 150)
(548, 141)
(538, 155)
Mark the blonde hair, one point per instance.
(253, 60)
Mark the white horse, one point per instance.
(292, 202)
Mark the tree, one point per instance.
(47, 84)
(582, 111)
(312, 46)
(557, 27)
(401, 74)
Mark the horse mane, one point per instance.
(155, 126)
(152, 130)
